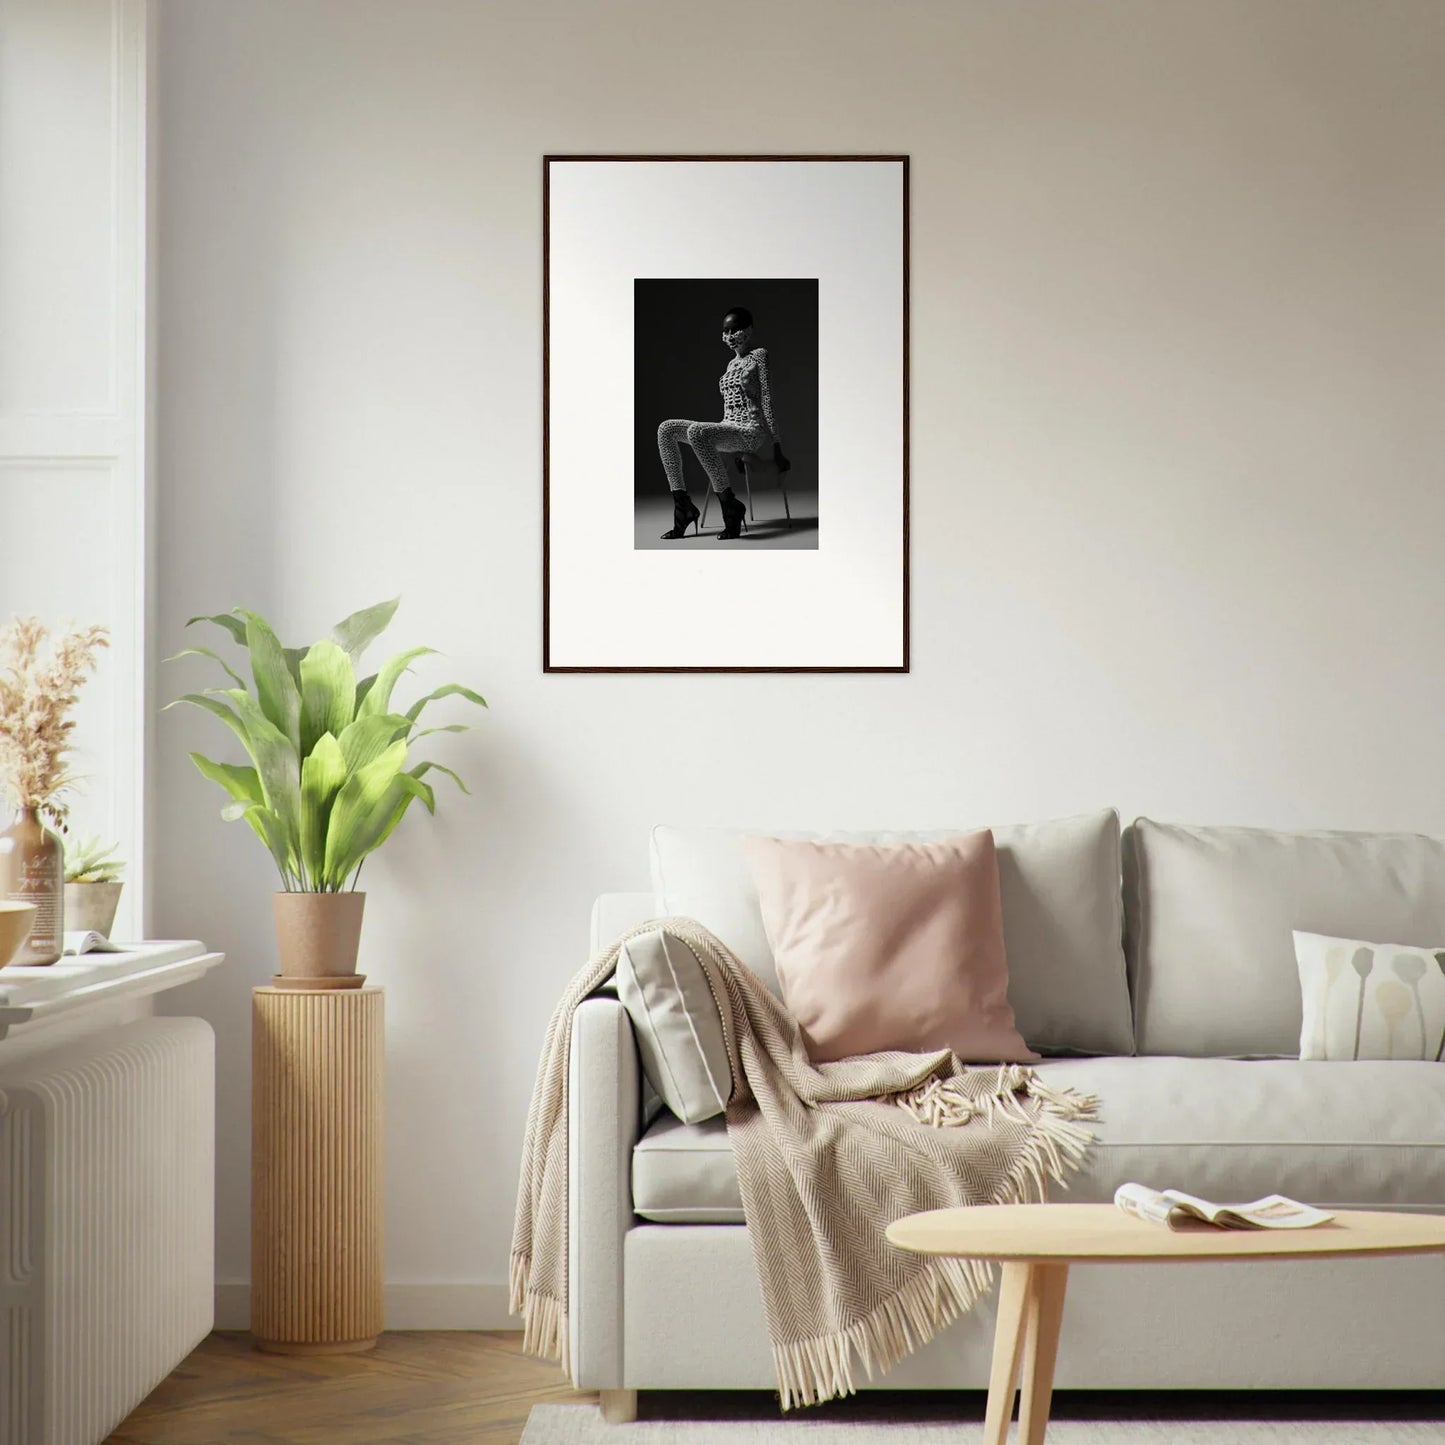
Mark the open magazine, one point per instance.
(89, 941)
(1184, 1211)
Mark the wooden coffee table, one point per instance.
(1036, 1244)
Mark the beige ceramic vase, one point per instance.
(318, 934)
(32, 870)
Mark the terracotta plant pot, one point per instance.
(16, 921)
(91, 906)
(318, 934)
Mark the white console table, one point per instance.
(107, 1188)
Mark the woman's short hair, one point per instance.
(744, 316)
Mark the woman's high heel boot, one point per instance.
(733, 513)
(684, 515)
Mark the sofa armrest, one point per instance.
(604, 1102)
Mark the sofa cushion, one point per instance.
(1367, 1135)
(1059, 883)
(897, 947)
(1211, 911)
(684, 1174)
(1370, 1000)
(677, 1022)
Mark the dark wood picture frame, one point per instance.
(548, 665)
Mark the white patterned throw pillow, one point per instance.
(1370, 1000)
(680, 1038)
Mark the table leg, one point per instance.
(619, 1407)
(1043, 1314)
(1014, 1291)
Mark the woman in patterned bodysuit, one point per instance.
(748, 424)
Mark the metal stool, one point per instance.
(763, 464)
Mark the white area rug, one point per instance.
(1156, 1420)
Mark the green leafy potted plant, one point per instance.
(92, 886)
(328, 779)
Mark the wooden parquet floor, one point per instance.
(414, 1388)
(461, 1388)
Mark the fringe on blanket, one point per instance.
(811, 1371)
(544, 1321)
(822, 1368)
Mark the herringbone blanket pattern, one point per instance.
(827, 1157)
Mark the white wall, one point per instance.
(1179, 349)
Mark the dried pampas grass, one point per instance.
(40, 681)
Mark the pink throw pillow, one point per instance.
(896, 946)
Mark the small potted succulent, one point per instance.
(327, 779)
(92, 886)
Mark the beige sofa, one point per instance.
(1155, 970)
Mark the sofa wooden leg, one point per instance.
(619, 1407)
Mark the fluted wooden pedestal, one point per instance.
(316, 1151)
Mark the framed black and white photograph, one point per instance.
(725, 438)
(709, 459)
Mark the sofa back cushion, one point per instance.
(614, 913)
(1062, 917)
(1210, 914)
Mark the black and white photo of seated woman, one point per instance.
(717, 382)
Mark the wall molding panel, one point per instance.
(83, 62)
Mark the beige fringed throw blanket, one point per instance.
(827, 1157)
